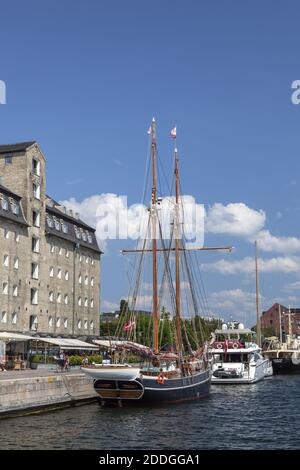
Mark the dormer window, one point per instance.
(49, 222)
(15, 208)
(8, 159)
(84, 237)
(4, 204)
(57, 225)
(90, 239)
(64, 228)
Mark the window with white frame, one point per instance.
(66, 299)
(80, 278)
(50, 321)
(85, 325)
(5, 288)
(3, 317)
(52, 248)
(34, 270)
(93, 262)
(36, 190)
(59, 273)
(58, 322)
(92, 303)
(5, 260)
(92, 281)
(79, 324)
(67, 253)
(51, 273)
(65, 323)
(34, 296)
(79, 301)
(33, 323)
(14, 318)
(67, 275)
(58, 297)
(15, 291)
(35, 245)
(6, 233)
(15, 208)
(92, 324)
(51, 296)
(35, 218)
(17, 236)
(16, 262)
(86, 304)
(86, 280)
(36, 167)
(60, 251)
(4, 204)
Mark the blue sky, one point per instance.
(85, 79)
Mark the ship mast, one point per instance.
(154, 245)
(177, 255)
(258, 325)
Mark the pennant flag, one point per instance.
(149, 131)
(173, 133)
(129, 326)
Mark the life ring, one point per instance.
(160, 378)
(235, 345)
(219, 346)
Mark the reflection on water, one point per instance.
(261, 416)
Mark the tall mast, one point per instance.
(258, 326)
(154, 246)
(177, 255)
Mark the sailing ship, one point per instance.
(178, 371)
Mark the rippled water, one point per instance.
(261, 416)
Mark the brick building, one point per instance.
(49, 258)
(270, 318)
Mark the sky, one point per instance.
(85, 78)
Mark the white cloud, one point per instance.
(246, 265)
(111, 306)
(268, 242)
(234, 219)
(292, 286)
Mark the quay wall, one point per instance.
(19, 396)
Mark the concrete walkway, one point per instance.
(28, 373)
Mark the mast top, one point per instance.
(153, 120)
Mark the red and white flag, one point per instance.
(173, 133)
(129, 326)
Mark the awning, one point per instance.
(9, 337)
(68, 343)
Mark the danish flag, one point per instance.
(129, 326)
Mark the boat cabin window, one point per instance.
(233, 357)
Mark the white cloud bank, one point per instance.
(246, 265)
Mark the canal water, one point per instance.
(261, 416)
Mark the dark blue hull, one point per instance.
(147, 390)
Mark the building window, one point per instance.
(85, 325)
(4, 204)
(15, 291)
(80, 278)
(90, 240)
(35, 218)
(80, 258)
(86, 280)
(8, 159)
(49, 222)
(66, 299)
(51, 296)
(5, 260)
(6, 233)
(50, 321)
(34, 270)
(86, 259)
(51, 271)
(79, 324)
(79, 301)
(84, 237)
(92, 324)
(5, 288)
(16, 262)
(59, 298)
(67, 275)
(67, 253)
(93, 262)
(14, 318)
(92, 281)
(92, 303)
(36, 167)
(34, 296)
(65, 323)
(57, 225)
(36, 190)
(58, 322)
(86, 304)
(15, 208)
(35, 245)
(59, 273)
(60, 251)
(3, 317)
(33, 323)
(17, 236)
(64, 228)
(52, 248)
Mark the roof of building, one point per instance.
(9, 213)
(13, 148)
(60, 213)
